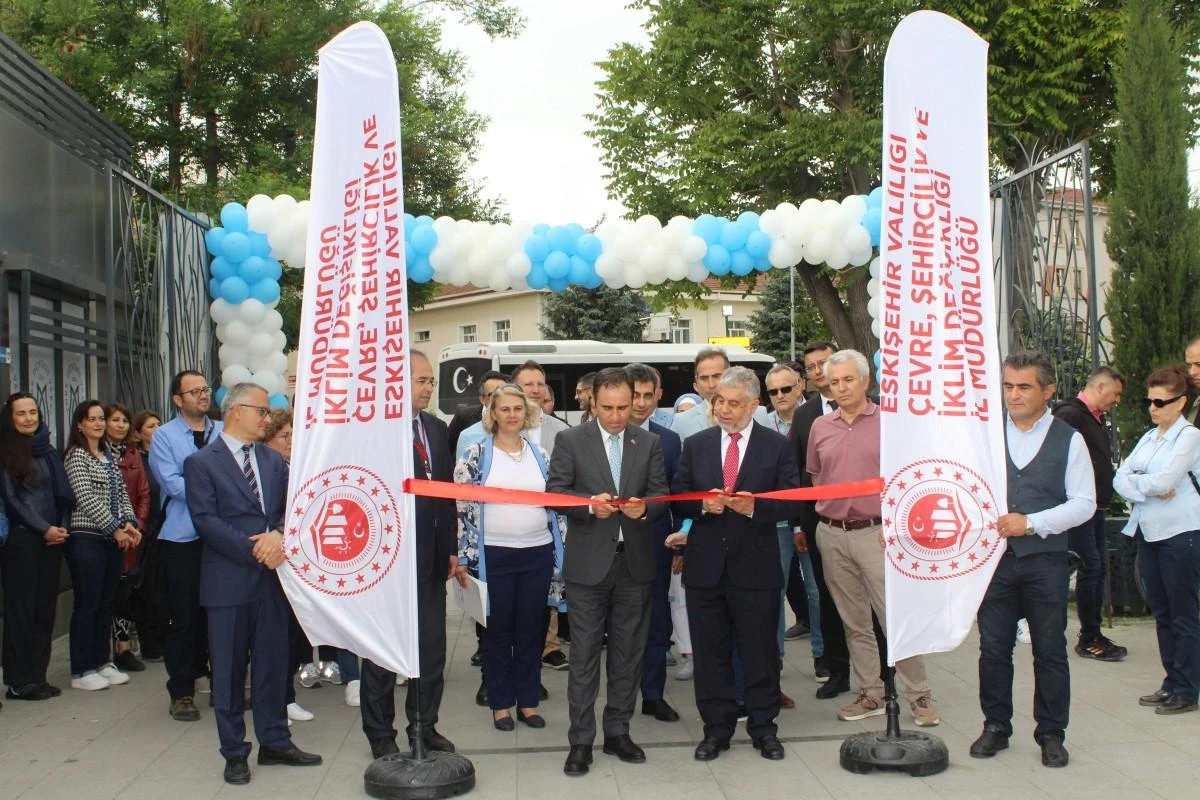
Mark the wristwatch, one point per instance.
(1028, 526)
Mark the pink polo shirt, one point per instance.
(838, 452)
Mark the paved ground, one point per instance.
(121, 743)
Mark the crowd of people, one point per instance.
(171, 532)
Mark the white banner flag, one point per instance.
(943, 438)
(350, 531)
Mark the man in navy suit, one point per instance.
(647, 391)
(732, 571)
(236, 492)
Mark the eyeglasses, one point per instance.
(816, 366)
(200, 391)
(781, 390)
(263, 411)
(1160, 403)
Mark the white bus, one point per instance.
(460, 367)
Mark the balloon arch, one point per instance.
(252, 241)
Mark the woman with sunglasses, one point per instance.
(103, 527)
(37, 500)
(515, 549)
(1159, 480)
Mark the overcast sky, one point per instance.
(536, 89)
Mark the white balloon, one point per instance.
(876, 327)
(838, 256)
(609, 265)
(873, 307)
(787, 208)
(231, 354)
(771, 223)
(615, 282)
(219, 330)
(251, 311)
(261, 213)
(810, 207)
(628, 246)
(874, 268)
(635, 278)
(444, 226)
(280, 341)
(222, 311)
(797, 229)
(272, 382)
(459, 275)
(873, 287)
(275, 362)
(860, 257)
(693, 248)
(818, 245)
(853, 208)
(680, 222)
(234, 374)
(271, 321)
(697, 272)
(857, 239)
(518, 265)
(649, 223)
(499, 281)
(783, 254)
(237, 332)
(677, 267)
(260, 343)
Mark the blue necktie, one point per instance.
(248, 471)
(614, 459)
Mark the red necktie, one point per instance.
(730, 469)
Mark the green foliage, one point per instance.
(770, 328)
(604, 314)
(1153, 235)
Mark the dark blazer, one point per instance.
(579, 466)
(672, 447)
(463, 418)
(1096, 436)
(744, 548)
(437, 522)
(808, 413)
(226, 514)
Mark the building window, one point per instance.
(502, 330)
(681, 331)
(466, 333)
(421, 336)
(738, 327)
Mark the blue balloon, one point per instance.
(878, 359)
(559, 238)
(707, 227)
(873, 221)
(575, 230)
(594, 282)
(410, 222)
(541, 229)
(588, 247)
(259, 245)
(234, 217)
(558, 284)
(221, 269)
(214, 288)
(235, 247)
(234, 290)
(274, 269)
(212, 240)
(581, 270)
(717, 259)
(424, 219)
(748, 218)
(219, 397)
(253, 270)
(537, 248)
(424, 239)
(875, 198)
(537, 276)
(733, 236)
(740, 263)
(421, 271)
(265, 291)
(758, 244)
(557, 265)
(279, 401)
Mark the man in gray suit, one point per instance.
(609, 562)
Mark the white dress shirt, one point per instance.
(1080, 505)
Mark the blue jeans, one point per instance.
(95, 566)
(1171, 570)
(1088, 542)
(812, 593)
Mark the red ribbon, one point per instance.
(491, 494)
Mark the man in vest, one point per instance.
(1051, 489)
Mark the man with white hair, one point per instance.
(732, 571)
(844, 446)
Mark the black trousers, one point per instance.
(378, 685)
(833, 631)
(658, 636)
(718, 617)
(31, 570)
(186, 650)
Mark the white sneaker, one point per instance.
(91, 682)
(299, 713)
(1023, 632)
(686, 668)
(113, 675)
(352, 692)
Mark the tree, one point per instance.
(1153, 235)
(746, 103)
(604, 314)
(770, 328)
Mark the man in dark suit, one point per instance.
(609, 562)
(236, 492)
(732, 571)
(466, 416)
(647, 391)
(437, 557)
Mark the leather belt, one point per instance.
(851, 524)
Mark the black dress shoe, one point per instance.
(291, 757)
(237, 771)
(1156, 699)
(990, 742)
(542, 693)
(384, 746)
(533, 720)
(769, 747)
(660, 710)
(477, 657)
(53, 691)
(505, 724)
(126, 661)
(1177, 704)
(833, 687)
(1053, 753)
(710, 748)
(578, 760)
(481, 695)
(435, 741)
(623, 748)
